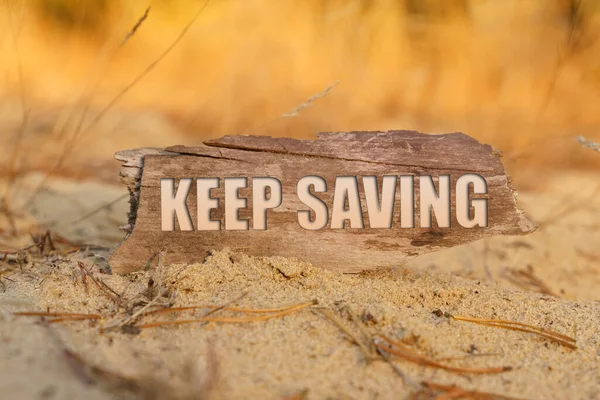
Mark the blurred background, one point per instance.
(82, 79)
(522, 75)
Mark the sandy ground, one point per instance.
(549, 279)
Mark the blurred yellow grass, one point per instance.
(513, 73)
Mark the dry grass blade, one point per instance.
(301, 395)
(95, 211)
(9, 213)
(588, 256)
(570, 208)
(527, 280)
(136, 26)
(89, 373)
(589, 144)
(16, 251)
(16, 153)
(44, 245)
(559, 338)
(486, 267)
(70, 144)
(287, 311)
(574, 24)
(80, 131)
(434, 391)
(145, 72)
(12, 164)
(399, 350)
(296, 111)
(138, 387)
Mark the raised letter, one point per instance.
(174, 204)
(407, 201)
(312, 201)
(233, 203)
(346, 187)
(206, 203)
(463, 208)
(380, 212)
(260, 203)
(432, 201)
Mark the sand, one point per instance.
(304, 354)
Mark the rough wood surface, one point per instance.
(329, 156)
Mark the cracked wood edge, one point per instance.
(403, 151)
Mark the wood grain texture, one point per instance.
(329, 156)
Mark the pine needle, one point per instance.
(287, 311)
(56, 314)
(214, 307)
(404, 352)
(438, 392)
(559, 338)
(58, 317)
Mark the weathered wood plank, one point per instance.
(411, 149)
(332, 155)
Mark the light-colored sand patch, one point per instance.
(304, 350)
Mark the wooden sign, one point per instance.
(347, 201)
